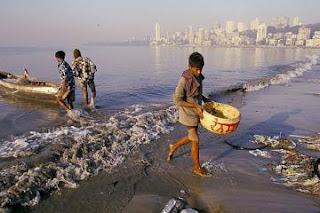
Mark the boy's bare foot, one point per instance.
(171, 151)
(201, 172)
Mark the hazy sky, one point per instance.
(74, 22)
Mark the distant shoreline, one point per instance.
(198, 46)
(28, 48)
(244, 46)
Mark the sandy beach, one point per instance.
(240, 182)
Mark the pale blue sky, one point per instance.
(74, 22)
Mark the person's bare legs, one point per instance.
(85, 94)
(70, 105)
(63, 104)
(94, 93)
(194, 138)
(173, 147)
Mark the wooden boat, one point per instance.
(28, 88)
(220, 118)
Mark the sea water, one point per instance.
(134, 99)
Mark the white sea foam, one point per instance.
(282, 78)
(97, 146)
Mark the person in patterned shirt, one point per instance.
(84, 69)
(67, 86)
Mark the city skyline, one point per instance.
(280, 32)
(240, 25)
(43, 22)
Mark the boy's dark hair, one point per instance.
(60, 54)
(76, 53)
(196, 60)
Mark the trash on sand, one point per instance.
(312, 142)
(314, 146)
(275, 142)
(296, 170)
(262, 169)
(258, 152)
(175, 205)
(311, 181)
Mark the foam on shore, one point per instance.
(96, 146)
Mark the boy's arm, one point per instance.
(194, 106)
(93, 67)
(180, 94)
(63, 84)
(63, 76)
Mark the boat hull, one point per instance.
(33, 88)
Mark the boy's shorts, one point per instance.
(71, 97)
(86, 82)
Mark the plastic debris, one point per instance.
(311, 142)
(262, 169)
(175, 205)
(189, 211)
(311, 181)
(258, 152)
(275, 142)
(296, 170)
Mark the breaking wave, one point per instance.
(86, 149)
(282, 78)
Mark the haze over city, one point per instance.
(50, 23)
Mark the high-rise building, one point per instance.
(254, 24)
(316, 35)
(290, 39)
(190, 35)
(216, 27)
(304, 33)
(230, 26)
(186, 35)
(274, 22)
(315, 41)
(200, 37)
(278, 36)
(280, 22)
(167, 39)
(206, 35)
(295, 22)
(157, 32)
(242, 27)
(261, 33)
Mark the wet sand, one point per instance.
(145, 182)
